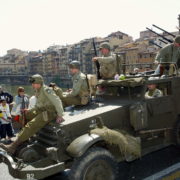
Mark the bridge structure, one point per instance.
(24, 80)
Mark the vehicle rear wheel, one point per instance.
(95, 164)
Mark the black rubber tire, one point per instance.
(177, 133)
(96, 164)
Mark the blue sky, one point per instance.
(37, 24)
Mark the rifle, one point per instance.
(89, 90)
(96, 62)
(23, 112)
(169, 40)
(164, 31)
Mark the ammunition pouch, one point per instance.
(84, 98)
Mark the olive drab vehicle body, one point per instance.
(121, 125)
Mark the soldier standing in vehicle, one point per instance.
(108, 62)
(169, 53)
(79, 94)
(48, 107)
(153, 92)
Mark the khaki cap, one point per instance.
(36, 79)
(105, 45)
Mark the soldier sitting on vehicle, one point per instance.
(79, 94)
(153, 92)
(48, 107)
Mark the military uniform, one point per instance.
(108, 66)
(153, 94)
(169, 53)
(58, 91)
(79, 94)
(109, 63)
(48, 107)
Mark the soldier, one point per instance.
(79, 95)
(153, 92)
(48, 107)
(108, 62)
(169, 53)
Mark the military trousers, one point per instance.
(34, 125)
(68, 101)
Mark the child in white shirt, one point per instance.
(5, 118)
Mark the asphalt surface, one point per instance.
(136, 170)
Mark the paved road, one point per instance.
(136, 170)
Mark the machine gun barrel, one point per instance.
(163, 41)
(164, 30)
(160, 35)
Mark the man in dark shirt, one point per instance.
(6, 96)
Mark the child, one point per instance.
(21, 103)
(5, 118)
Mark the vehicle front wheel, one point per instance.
(96, 164)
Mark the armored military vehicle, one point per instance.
(121, 126)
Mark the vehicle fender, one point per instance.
(81, 144)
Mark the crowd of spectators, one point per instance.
(11, 110)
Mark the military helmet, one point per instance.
(177, 39)
(74, 64)
(36, 79)
(104, 45)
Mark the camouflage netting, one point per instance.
(131, 82)
(128, 145)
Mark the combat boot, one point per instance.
(11, 148)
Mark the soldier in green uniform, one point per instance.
(153, 92)
(169, 53)
(108, 62)
(79, 94)
(48, 107)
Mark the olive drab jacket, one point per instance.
(80, 87)
(169, 53)
(49, 101)
(108, 66)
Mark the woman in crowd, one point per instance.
(21, 102)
